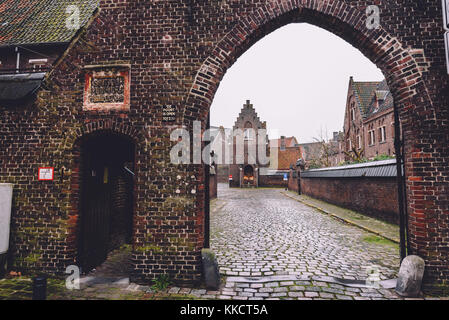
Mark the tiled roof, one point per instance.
(383, 96)
(364, 94)
(40, 21)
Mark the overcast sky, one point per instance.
(297, 78)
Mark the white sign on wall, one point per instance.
(46, 174)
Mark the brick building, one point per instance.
(246, 171)
(282, 153)
(288, 152)
(138, 69)
(369, 119)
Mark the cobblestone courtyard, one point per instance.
(260, 232)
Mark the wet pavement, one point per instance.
(261, 232)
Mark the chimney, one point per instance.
(282, 142)
(335, 136)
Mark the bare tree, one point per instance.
(324, 151)
(355, 154)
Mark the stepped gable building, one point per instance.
(246, 172)
(369, 119)
(282, 154)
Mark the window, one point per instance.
(283, 144)
(249, 134)
(353, 114)
(372, 137)
(382, 134)
(359, 142)
(38, 64)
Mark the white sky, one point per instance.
(297, 78)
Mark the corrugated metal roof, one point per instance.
(272, 172)
(386, 168)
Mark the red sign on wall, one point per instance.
(46, 174)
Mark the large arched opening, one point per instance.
(398, 64)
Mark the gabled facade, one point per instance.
(246, 172)
(379, 128)
(369, 121)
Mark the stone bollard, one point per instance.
(210, 269)
(410, 277)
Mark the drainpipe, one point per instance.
(404, 190)
(18, 60)
(207, 197)
(401, 185)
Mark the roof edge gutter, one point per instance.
(12, 46)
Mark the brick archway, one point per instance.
(403, 68)
(73, 146)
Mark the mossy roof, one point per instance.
(27, 22)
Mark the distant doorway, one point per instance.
(248, 176)
(106, 212)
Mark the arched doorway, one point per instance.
(248, 176)
(106, 206)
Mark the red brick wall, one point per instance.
(292, 181)
(376, 197)
(223, 173)
(272, 181)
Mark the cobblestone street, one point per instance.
(260, 232)
(294, 251)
